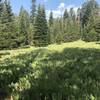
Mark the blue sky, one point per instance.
(54, 5)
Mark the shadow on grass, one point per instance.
(97, 42)
(73, 74)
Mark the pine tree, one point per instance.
(51, 19)
(24, 23)
(41, 28)
(88, 8)
(33, 11)
(78, 19)
(1, 10)
(32, 21)
(57, 33)
(97, 28)
(66, 15)
(88, 19)
(1, 4)
(51, 27)
(72, 14)
(7, 29)
(65, 20)
(71, 28)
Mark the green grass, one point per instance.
(53, 47)
(13, 53)
(76, 44)
(71, 69)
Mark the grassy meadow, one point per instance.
(54, 47)
(70, 70)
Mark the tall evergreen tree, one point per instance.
(97, 29)
(65, 20)
(24, 23)
(1, 4)
(66, 15)
(7, 31)
(32, 21)
(51, 19)
(89, 9)
(78, 14)
(33, 11)
(41, 28)
(51, 27)
(78, 17)
(72, 14)
(1, 10)
(57, 31)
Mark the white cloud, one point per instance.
(72, 6)
(60, 10)
(61, 6)
(56, 13)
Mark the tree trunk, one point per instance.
(50, 97)
(3, 94)
(63, 97)
(10, 98)
(42, 96)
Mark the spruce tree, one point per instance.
(33, 11)
(72, 14)
(78, 15)
(65, 20)
(24, 23)
(88, 9)
(57, 33)
(8, 37)
(32, 21)
(51, 27)
(51, 19)
(97, 28)
(88, 16)
(65, 15)
(71, 28)
(41, 28)
(1, 10)
(1, 4)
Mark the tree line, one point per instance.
(35, 29)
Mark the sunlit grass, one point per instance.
(76, 44)
(53, 47)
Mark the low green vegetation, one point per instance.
(4, 54)
(70, 71)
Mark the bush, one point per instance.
(90, 36)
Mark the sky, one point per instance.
(57, 6)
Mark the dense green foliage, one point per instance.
(33, 11)
(7, 30)
(51, 19)
(90, 10)
(71, 74)
(41, 29)
(35, 28)
(24, 24)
